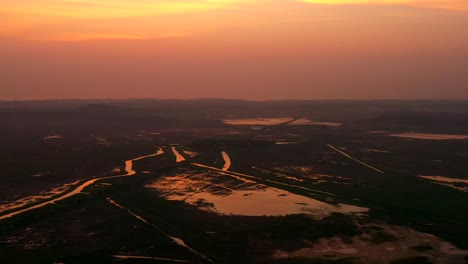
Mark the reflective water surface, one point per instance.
(429, 136)
(213, 191)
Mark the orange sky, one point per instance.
(258, 49)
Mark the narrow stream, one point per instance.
(176, 240)
(227, 161)
(128, 172)
(179, 157)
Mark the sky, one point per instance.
(256, 49)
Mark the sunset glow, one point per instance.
(453, 4)
(72, 20)
(315, 47)
(110, 8)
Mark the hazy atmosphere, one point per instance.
(262, 49)
(234, 131)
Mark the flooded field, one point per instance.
(258, 121)
(430, 136)
(8, 205)
(278, 174)
(381, 243)
(303, 173)
(305, 121)
(224, 194)
(458, 184)
(274, 183)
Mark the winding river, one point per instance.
(129, 171)
(179, 157)
(227, 161)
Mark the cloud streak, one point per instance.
(445, 4)
(92, 9)
(78, 20)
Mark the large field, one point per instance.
(231, 181)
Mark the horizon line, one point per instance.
(230, 99)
